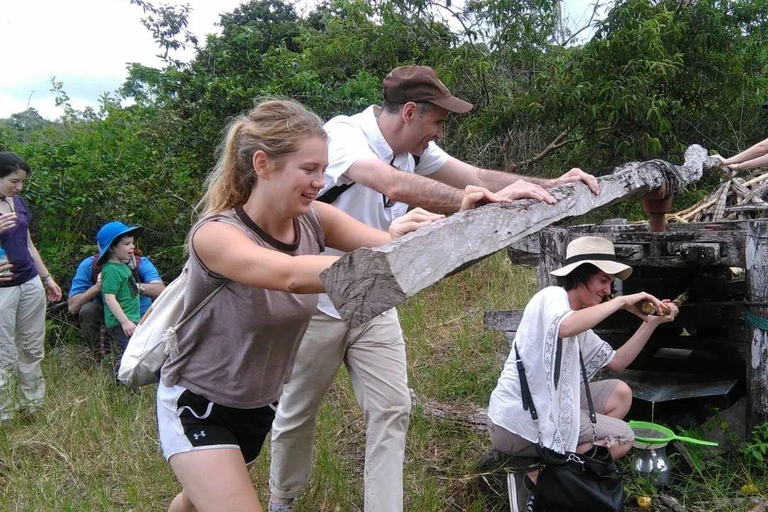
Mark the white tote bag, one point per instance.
(155, 337)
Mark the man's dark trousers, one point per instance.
(91, 321)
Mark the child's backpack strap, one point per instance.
(95, 269)
(135, 268)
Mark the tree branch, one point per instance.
(553, 146)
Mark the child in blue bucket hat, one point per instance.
(118, 286)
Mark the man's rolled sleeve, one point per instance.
(147, 271)
(81, 281)
(346, 145)
(432, 160)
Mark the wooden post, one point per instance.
(757, 342)
(553, 242)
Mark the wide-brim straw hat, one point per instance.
(595, 250)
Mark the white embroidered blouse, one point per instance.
(555, 383)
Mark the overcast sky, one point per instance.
(87, 45)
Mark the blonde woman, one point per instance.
(261, 233)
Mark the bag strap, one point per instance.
(528, 404)
(592, 415)
(332, 194)
(202, 303)
(95, 269)
(525, 391)
(172, 342)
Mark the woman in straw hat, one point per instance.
(556, 325)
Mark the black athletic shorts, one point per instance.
(189, 422)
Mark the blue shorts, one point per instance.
(188, 422)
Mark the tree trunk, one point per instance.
(553, 243)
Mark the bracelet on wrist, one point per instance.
(45, 277)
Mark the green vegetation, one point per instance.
(657, 75)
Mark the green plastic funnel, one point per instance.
(654, 434)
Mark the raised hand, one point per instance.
(669, 312)
(633, 302)
(411, 221)
(577, 174)
(525, 190)
(7, 221)
(477, 196)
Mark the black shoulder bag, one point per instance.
(570, 481)
(333, 193)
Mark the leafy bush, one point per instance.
(756, 449)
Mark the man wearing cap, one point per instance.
(85, 300)
(381, 161)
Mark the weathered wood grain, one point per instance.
(503, 321)
(475, 419)
(525, 251)
(553, 243)
(635, 245)
(700, 253)
(757, 353)
(367, 282)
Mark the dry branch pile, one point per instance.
(737, 198)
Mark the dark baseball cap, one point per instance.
(419, 84)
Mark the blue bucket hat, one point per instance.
(110, 232)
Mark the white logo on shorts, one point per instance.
(199, 435)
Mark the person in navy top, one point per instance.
(22, 297)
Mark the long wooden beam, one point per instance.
(369, 281)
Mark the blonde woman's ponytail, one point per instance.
(276, 127)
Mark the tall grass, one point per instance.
(94, 447)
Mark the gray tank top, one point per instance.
(239, 349)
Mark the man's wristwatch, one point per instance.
(141, 288)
